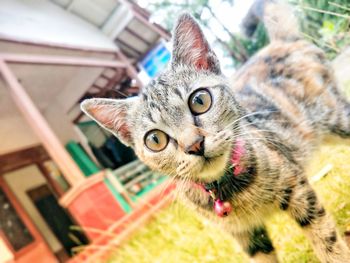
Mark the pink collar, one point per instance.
(223, 208)
(236, 157)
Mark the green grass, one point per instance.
(178, 235)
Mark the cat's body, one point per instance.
(277, 108)
(289, 104)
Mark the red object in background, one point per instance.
(94, 207)
(121, 229)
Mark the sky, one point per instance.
(230, 16)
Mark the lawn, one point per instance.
(178, 235)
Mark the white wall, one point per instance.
(43, 21)
(57, 113)
(5, 252)
(22, 180)
(16, 134)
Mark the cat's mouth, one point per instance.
(212, 168)
(210, 160)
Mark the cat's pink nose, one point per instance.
(197, 148)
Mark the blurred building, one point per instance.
(58, 169)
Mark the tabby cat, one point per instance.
(238, 148)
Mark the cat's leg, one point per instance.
(337, 118)
(341, 123)
(317, 225)
(257, 244)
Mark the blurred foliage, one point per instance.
(168, 11)
(325, 22)
(258, 40)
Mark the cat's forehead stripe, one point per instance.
(165, 97)
(178, 93)
(149, 115)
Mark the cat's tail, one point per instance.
(278, 19)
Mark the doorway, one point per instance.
(56, 218)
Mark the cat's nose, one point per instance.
(197, 148)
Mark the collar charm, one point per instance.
(223, 208)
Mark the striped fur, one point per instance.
(280, 103)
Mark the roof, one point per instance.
(42, 21)
(123, 21)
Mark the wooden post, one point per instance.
(61, 60)
(35, 119)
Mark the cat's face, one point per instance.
(182, 124)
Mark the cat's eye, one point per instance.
(200, 101)
(156, 140)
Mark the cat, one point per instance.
(238, 147)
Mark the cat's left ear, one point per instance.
(190, 47)
(112, 115)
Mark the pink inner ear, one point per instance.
(124, 131)
(100, 114)
(104, 114)
(202, 64)
(201, 45)
(193, 35)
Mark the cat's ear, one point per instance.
(190, 47)
(111, 114)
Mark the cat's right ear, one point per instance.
(111, 114)
(191, 48)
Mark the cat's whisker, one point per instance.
(120, 92)
(305, 121)
(258, 132)
(248, 115)
(261, 138)
(172, 175)
(245, 125)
